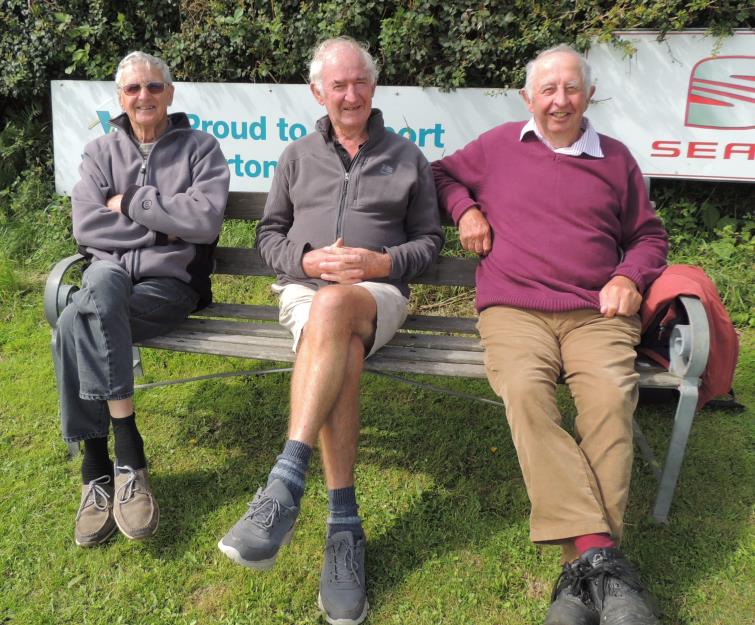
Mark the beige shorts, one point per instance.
(295, 300)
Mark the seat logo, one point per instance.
(721, 93)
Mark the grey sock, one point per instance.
(291, 467)
(343, 512)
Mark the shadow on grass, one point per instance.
(710, 510)
(473, 483)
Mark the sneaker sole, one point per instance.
(95, 543)
(259, 565)
(342, 621)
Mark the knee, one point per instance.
(520, 386)
(104, 271)
(328, 302)
(106, 283)
(107, 278)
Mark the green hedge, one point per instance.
(443, 43)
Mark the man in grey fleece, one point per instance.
(147, 213)
(351, 217)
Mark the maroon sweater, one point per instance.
(562, 225)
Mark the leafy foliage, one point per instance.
(451, 44)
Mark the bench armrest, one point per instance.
(58, 294)
(690, 343)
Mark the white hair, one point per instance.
(325, 49)
(142, 58)
(584, 66)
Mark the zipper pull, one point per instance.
(346, 177)
(144, 167)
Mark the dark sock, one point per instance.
(291, 468)
(593, 541)
(129, 447)
(96, 461)
(343, 512)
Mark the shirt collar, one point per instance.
(588, 142)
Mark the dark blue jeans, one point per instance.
(92, 350)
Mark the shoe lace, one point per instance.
(604, 569)
(264, 511)
(573, 576)
(345, 568)
(126, 492)
(96, 495)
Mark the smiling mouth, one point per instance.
(560, 115)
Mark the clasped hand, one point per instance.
(345, 265)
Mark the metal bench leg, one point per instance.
(685, 414)
(137, 358)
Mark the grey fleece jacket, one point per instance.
(385, 202)
(180, 190)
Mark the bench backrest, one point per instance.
(241, 261)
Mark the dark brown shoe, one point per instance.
(94, 520)
(135, 509)
(571, 604)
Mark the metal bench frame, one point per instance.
(437, 345)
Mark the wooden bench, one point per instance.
(437, 345)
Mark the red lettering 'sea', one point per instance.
(740, 148)
(696, 149)
(667, 147)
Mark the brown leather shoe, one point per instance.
(135, 509)
(94, 520)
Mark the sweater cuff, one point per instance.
(632, 274)
(462, 206)
(299, 252)
(127, 197)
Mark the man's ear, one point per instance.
(316, 92)
(526, 98)
(590, 94)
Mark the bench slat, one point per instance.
(246, 261)
(421, 323)
(210, 327)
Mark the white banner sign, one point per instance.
(684, 106)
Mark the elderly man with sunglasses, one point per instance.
(147, 214)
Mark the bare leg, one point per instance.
(326, 357)
(121, 408)
(339, 436)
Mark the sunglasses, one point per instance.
(134, 88)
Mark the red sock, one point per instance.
(593, 541)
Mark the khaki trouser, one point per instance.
(576, 485)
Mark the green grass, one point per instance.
(439, 487)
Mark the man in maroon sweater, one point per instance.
(568, 243)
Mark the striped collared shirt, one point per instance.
(588, 142)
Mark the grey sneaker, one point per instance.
(343, 595)
(267, 525)
(135, 509)
(94, 520)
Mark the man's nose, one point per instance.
(560, 96)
